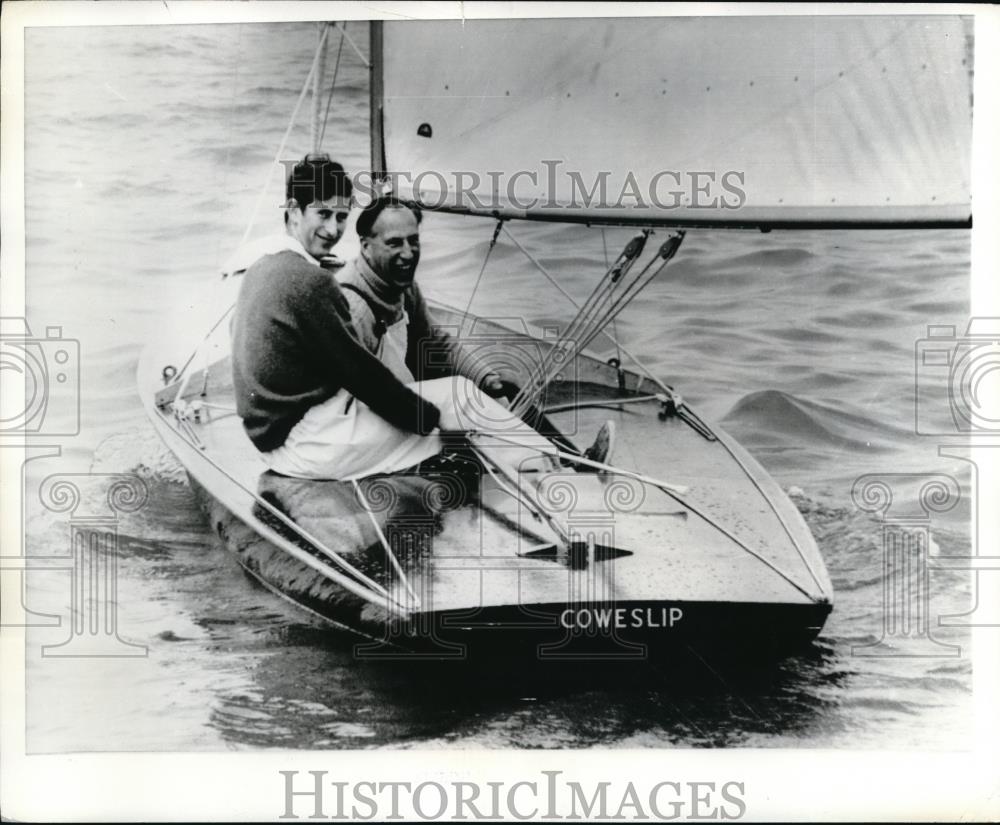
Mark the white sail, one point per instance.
(735, 121)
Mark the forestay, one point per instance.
(754, 121)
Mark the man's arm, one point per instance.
(433, 353)
(353, 367)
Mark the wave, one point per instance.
(780, 257)
(941, 308)
(830, 380)
(802, 334)
(771, 417)
(145, 50)
(880, 703)
(852, 544)
(858, 319)
(118, 119)
(840, 288)
(140, 451)
(126, 188)
(687, 271)
(289, 91)
(249, 152)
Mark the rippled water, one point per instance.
(144, 154)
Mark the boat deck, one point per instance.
(651, 563)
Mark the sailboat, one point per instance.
(681, 541)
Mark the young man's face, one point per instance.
(393, 250)
(319, 226)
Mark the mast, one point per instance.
(317, 88)
(376, 93)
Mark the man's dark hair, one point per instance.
(368, 216)
(317, 178)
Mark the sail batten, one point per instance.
(757, 121)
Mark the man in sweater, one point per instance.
(314, 399)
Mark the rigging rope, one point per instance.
(521, 492)
(631, 290)
(183, 375)
(571, 341)
(385, 542)
(573, 458)
(781, 519)
(676, 494)
(333, 85)
(561, 350)
(361, 585)
(317, 86)
(357, 51)
(614, 321)
(482, 269)
(597, 311)
(284, 140)
(552, 280)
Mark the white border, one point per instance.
(781, 785)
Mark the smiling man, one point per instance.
(387, 307)
(319, 201)
(296, 356)
(390, 316)
(315, 399)
(333, 381)
(343, 387)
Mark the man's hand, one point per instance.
(493, 386)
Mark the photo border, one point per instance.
(780, 784)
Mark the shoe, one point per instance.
(604, 445)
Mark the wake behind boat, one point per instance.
(681, 540)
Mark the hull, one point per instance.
(728, 565)
(566, 628)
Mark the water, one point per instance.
(145, 151)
